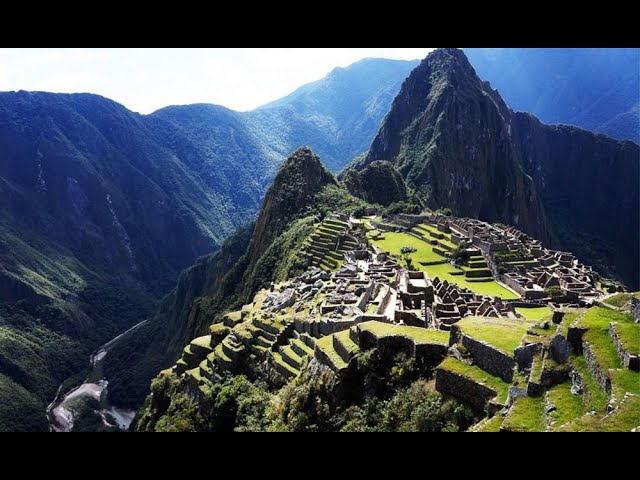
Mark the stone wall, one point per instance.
(635, 309)
(464, 389)
(632, 362)
(489, 358)
(598, 374)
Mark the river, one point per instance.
(60, 411)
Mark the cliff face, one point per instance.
(589, 187)
(449, 136)
(458, 145)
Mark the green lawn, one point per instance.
(393, 243)
(478, 375)
(526, 415)
(537, 313)
(568, 406)
(505, 334)
(490, 289)
(417, 334)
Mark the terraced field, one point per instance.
(427, 260)
(326, 246)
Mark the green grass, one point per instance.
(597, 321)
(504, 334)
(392, 243)
(624, 381)
(326, 345)
(204, 342)
(621, 299)
(568, 406)
(594, 398)
(625, 418)
(629, 335)
(347, 343)
(478, 375)
(490, 425)
(417, 334)
(526, 415)
(489, 289)
(537, 313)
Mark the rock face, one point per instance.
(448, 135)
(457, 144)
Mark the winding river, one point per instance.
(62, 415)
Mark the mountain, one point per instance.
(457, 145)
(302, 191)
(593, 88)
(338, 115)
(102, 208)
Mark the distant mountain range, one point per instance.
(593, 88)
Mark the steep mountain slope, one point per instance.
(302, 191)
(449, 140)
(96, 220)
(457, 144)
(593, 88)
(338, 115)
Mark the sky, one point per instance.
(145, 80)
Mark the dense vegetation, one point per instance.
(391, 398)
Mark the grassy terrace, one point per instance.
(621, 299)
(597, 321)
(504, 334)
(526, 415)
(594, 398)
(538, 313)
(326, 345)
(417, 334)
(347, 343)
(621, 420)
(568, 406)
(392, 243)
(629, 334)
(478, 375)
(624, 381)
(491, 425)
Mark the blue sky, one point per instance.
(147, 79)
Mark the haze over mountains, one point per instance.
(593, 88)
(102, 208)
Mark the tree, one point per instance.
(554, 292)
